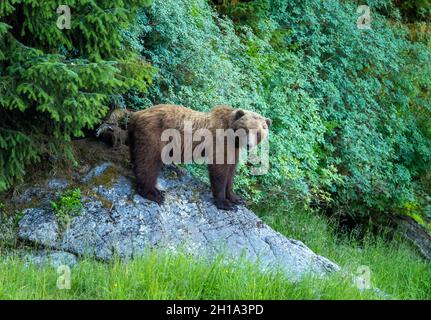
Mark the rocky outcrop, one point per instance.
(116, 221)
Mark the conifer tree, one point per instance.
(56, 81)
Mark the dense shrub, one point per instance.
(54, 83)
(414, 10)
(350, 107)
(203, 61)
(373, 87)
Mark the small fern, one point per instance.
(67, 206)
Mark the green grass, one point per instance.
(396, 269)
(158, 276)
(395, 266)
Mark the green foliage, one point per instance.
(18, 216)
(351, 130)
(350, 107)
(56, 83)
(203, 61)
(415, 9)
(374, 86)
(68, 205)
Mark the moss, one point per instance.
(172, 175)
(107, 178)
(10, 208)
(92, 152)
(105, 202)
(88, 153)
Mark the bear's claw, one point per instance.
(225, 205)
(235, 199)
(154, 195)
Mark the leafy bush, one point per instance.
(203, 61)
(55, 83)
(371, 89)
(415, 9)
(350, 107)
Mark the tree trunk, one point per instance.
(414, 232)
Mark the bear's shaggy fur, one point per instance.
(145, 132)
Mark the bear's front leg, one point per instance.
(234, 198)
(230, 195)
(218, 177)
(152, 194)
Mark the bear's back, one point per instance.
(168, 116)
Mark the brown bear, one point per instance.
(146, 130)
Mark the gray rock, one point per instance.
(187, 221)
(29, 194)
(42, 193)
(57, 184)
(96, 172)
(39, 226)
(54, 259)
(7, 232)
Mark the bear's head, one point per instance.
(253, 124)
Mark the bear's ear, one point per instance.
(239, 113)
(268, 122)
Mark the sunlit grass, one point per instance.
(162, 276)
(395, 266)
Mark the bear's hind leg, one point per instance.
(146, 184)
(147, 167)
(150, 193)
